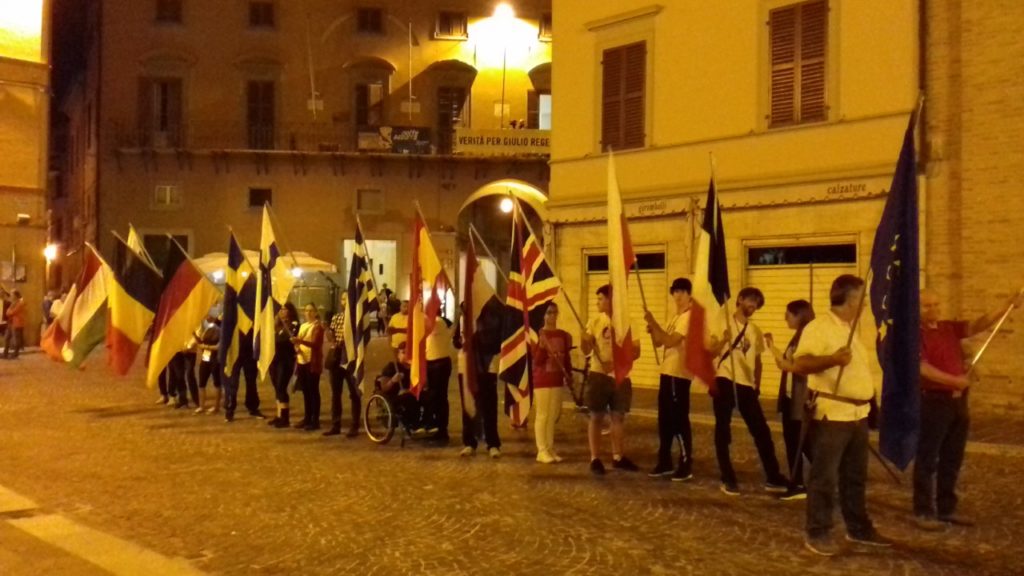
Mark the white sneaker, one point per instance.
(556, 456)
(467, 451)
(494, 452)
(545, 458)
(199, 410)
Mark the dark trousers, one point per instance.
(281, 370)
(673, 418)
(436, 405)
(791, 435)
(208, 370)
(14, 340)
(940, 452)
(246, 368)
(340, 377)
(309, 382)
(162, 384)
(745, 398)
(183, 378)
(840, 459)
(486, 412)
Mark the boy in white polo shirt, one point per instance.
(840, 420)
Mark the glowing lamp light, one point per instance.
(218, 275)
(504, 11)
(505, 205)
(297, 272)
(245, 273)
(50, 252)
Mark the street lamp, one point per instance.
(50, 253)
(506, 205)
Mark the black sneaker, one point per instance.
(776, 485)
(730, 489)
(822, 545)
(625, 464)
(872, 538)
(930, 524)
(794, 493)
(597, 467)
(662, 469)
(684, 471)
(257, 414)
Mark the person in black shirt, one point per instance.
(209, 341)
(283, 366)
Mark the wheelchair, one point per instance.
(383, 416)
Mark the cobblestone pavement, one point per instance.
(247, 499)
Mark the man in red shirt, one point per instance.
(15, 335)
(944, 415)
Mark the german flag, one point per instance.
(187, 298)
(132, 298)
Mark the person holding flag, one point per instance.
(309, 349)
(273, 284)
(605, 393)
(552, 370)
(836, 365)
(738, 385)
(944, 414)
(674, 388)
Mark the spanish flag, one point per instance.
(429, 283)
(187, 298)
(133, 297)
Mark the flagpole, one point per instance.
(991, 336)
(278, 229)
(472, 231)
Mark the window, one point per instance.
(544, 27)
(260, 114)
(624, 77)
(644, 261)
(258, 197)
(450, 103)
(538, 110)
(160, 112)
(821, 254)
(451, 26)
(166, 196)
(369, 104)
(261, 14)
(370, 20)
(168, 11)
(370, 201)
(798, 36)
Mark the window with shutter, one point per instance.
(623, 90)
(260, 114)
(798, 38)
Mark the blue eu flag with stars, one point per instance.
(895, 302)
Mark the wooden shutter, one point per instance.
(532, 109)
(146, 114)
(798, 36)
(623, 89)
(633, 97)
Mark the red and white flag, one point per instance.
(620, 261)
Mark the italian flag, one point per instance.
(88, 324)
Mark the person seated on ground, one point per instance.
(394, 385)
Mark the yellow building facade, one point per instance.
(24, 117)
(205, 110)
(797, 107)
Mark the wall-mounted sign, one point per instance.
(502, 142)
(397, 139)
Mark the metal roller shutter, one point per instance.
(781, 285)
(645, 370)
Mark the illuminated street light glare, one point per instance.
(504, 11)
(506, 205)
(50, 252)
(218, 275)
(297, 272)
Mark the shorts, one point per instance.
(603, 395)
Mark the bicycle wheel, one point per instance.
(379, 420)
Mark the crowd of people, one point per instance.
(825, 395)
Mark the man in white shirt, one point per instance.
(738, 381)
(674, 387)
(840, 420)
(603, 394)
